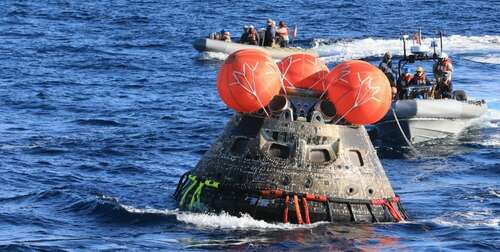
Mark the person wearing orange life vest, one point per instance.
(419, 78)
(403, 82)
(282, 33)
(442, 70)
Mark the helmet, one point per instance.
(443, 55)
(420, 69)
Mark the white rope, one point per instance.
(252, 86)
(412, 148)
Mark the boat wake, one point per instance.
(213, 56)
(480, 49)
(491, 58)
(483, 49)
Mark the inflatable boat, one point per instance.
(277, 53)
(420, 120)
(422, 113)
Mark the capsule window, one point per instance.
(319, 156)
(279, 151)
(239, 146)
(356, 158)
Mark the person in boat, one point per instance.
(226, 36)
(419, 79)
(442, 70)
(253, 36)
(244, 35)
(386, 67)
(403, 82)
(282, 34)
(386, 62)
(215, 35)
(270, 34)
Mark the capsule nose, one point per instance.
(200, 44)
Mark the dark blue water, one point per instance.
(104, 104)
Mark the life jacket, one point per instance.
(252, 37)
(444, 66)
(407, 78)
(419, 80)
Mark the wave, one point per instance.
(470, 219)
(226, 221)
(491, 58)
(98, 122)
(339, 50)
(221, 220)
(111, 210)
(213, 56)
(491, 119)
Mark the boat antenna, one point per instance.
(441, 40)
(404, 37)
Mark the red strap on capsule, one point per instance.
(389, 203)
(297, 209)
(285, 209)
(306, 210)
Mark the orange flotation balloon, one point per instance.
(248, 80)
(304, 70)
(360, 91)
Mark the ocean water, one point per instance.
(104, 104)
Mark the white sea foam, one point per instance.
(488, 59)
(491, 119)
(222, 220)
(225, 220)
(368, 47)
(494, 192)
(488, 46)
(470, 219)
(213, 56)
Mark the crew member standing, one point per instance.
(282, 32)
(442, 70)
(253, 36)
(386, 67)
(270, 33)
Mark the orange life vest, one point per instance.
(444, 66)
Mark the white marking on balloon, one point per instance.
(241, 79)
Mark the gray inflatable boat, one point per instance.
(423, 120)
(412, 120)
(212, 45)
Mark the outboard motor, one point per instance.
(459, 95)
